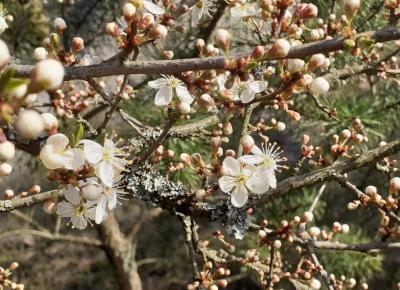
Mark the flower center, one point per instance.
(80, 210)
(268, 162)
(173, 83)
(241, 179)
(107, 155)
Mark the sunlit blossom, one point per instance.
(167, 86)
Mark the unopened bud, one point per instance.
(77, 44)
(158, 32)
(223, 38)
(129, 11)
(247, 143)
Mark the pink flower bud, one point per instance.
(394, 185)
(317, 60)
(306, 10)
(146, 21)
(247, 143)
(129, 11)
(223, 38)
(184, 108)
(60, 25)
(7, 150)
(279, 49)
(4, 54)
(158, 32)
(206, 102)
(350, 7)
(112, 29)
(77, 44)
(5, 169)
(258, 52)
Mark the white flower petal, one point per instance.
(72, 195)
(112, 200)
(239, 196)
(79, 222)
(227, 183)
(93, 151)
(231, 166)
(73, 158)
(184, 95)
(153, 8)
(106, 173)
(251, 159)
(65, 209)
(100, 209)
(156, 84)
(59, 141)
(51, 159)
(258, 183)
(247, 95)
(257, 151)
(163, 96)
(109, 146)
(91, 213)
(258, 86)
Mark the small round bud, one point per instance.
(4, 54)
(277, 244)
(60, 25)
(223, 38)
(7, 151)
(112, 29)
(314, 232)
(279, 49)
(50, 121)
(40, 53)
(317, 60)
(168, 54)
(158, 32)
(29, 124)
(91, 191)
(200, 44)
(5, 169)
(295, 65)
(247, 143)
(184, 108)
(319, 86)
(206, 102)
(280, 126)
(47, 74)
(129, 11)
(346, 133)
(308, 216)
(262, 234)
(345, 228)
(371, 190)
(50, 205)
(9, 193)
(306, 10)
(394, 185)
(186, 159)
(315, 284)
(77, 44)
(350, 7)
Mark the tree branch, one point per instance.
(195, 64)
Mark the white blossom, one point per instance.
(239, 180)
(3, 24)
(243, 91)
(29, 124)
(108, 199)
(244, 10)
(109, 160)
(199, 10)
(55, 154)
(153, 8)
(166, 87)
(266, 161)
(79, 212)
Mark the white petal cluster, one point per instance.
(167, 87)
(3, 24)
(239, 179)
(56, 154)
(108, 159)
(266, 161)
(152, 8)
(242, 91)
(80, 212)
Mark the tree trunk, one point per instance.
(121, 253)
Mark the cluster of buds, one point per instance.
(208, 50)
(52, 45)
(342, 282)
(310, 151)
(344, 142)
(272, 125)
(10, 194)
(211, 278)
(5, 278)
(71, 101)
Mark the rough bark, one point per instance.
(121, 254)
